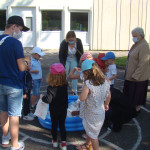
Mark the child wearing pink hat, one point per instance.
(57, 97)
(79, 74)
(85, 56)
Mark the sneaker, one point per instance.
(6, 139)
(28, 117)
(33, 108)
(63, 145)
(55, 143)
(31, 114)
(21, 146)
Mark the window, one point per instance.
(79, 21)
(2, 20)
(51, 20)
(29, 22)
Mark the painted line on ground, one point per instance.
(139, 135)
(105, 134)
(119, 79)
(137, 142)
(25, 137)
(41, 141)
(111, 144)
(145, 109)
(101, 138)
(129, 124)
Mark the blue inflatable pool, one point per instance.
(72, 123)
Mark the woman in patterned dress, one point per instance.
(96, 95)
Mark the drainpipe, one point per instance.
(37, 26)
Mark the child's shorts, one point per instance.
(11, 100)
(36, 87)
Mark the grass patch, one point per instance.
(121, 61)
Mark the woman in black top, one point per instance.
(70, 52)
(57, 97)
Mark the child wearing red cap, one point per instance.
(57, 97)
(101, 63)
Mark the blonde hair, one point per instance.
(56, 79)
(94, 75)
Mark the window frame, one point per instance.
(31, 28)
(3, 20)
(87, 20)
(60, 25)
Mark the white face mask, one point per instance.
(17, 35)
(135, 39)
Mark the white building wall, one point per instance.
(33, 8)
(115, 19)
(109, 25)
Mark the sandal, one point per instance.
(84, 147)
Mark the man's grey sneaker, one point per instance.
(28, 117)
(21, 146)
(31, 114)
(6, 139)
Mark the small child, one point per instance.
(36, 73)
(95, 93)
(27, 79)
(111, 74)
(101, 63)
(79, 74)
(57, 97)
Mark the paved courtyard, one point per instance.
(134, 135)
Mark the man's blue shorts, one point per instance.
(11, 100)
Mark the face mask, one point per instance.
(17, 35)
(135, 39)
(71, 42)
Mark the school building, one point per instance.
(100, 24)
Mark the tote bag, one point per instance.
(41, 109)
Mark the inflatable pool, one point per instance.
(72, 123)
